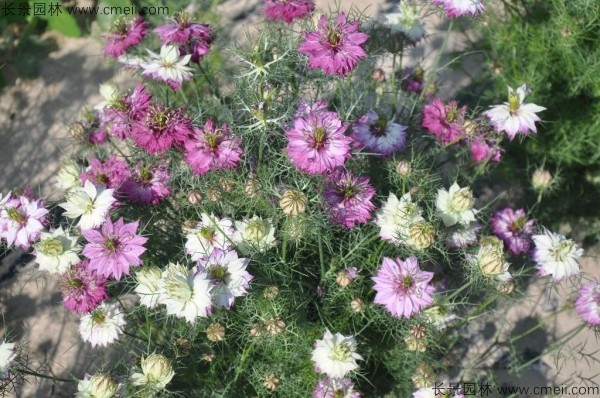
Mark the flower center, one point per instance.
(320, 135)
(341, 352)
(212, 140)
(207, 233)
(338, 394)
(451, 114)
(379, 127)
(563, 250)
(349, 192)
(98, 317)
(219, 273)
(158, 118)
(518, 224)
(145, 175)
(102, 179)
(514, 102)
(112, 245)
(179, 289)
(407, 282)
(461, 200)
(334, 37)
(76, 283)
(16, 215)
(255, 230)
(51, 247)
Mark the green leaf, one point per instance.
(65, 24)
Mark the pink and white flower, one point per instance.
(228, 276)
(102, 326)
(21, 220)
(587, 304)
(335, 355)
(209, 234)
(288, 10)
(556, 255)
(168, 66)
(457, 8)
(379, 135)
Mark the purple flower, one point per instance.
(161, 128)
(212, 148)
(349, 199)
(148, 184)
(587, 304)
(194, 38)
(332, 388)
(316, 142)
(514, 229)
(445, 121)
(335, 48)
(83, 289)
(288, 10)
(126, 34)
(114, 248)
(111, 173)
(21, 220)
(457, 8)
(119, 117)
(402, 287)
(482, 149)
(228, 276)
(378, 134)
(413, 80)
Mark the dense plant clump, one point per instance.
(306, 223)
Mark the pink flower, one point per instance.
(587, 304)
(335, 48)
(114, 248)
(333, 388)
(457, 8)
(316, 142)
(194, 38)
(482, 149)
(413, 80)
(111, 173)
(514, 229)
(125, 35)
(148, 184)
(349, 199)
(288, 10)
(445, 121)
(83, 289)
(402, 287)
(161, 128)
(21, 220)
(379, 135)
(212, 148)
(120, 117)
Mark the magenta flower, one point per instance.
(378, 134)
(402, 287)
(21, 220)
(114, 248)
(587, 304)
(288, 10)
(161, 128)
(212, 148)
(335, 48)
(148, 185)
(119, 118)
(83, 289)
(332, 388)
(316, 142)
(482, 149)
(349, 199)
(194, 38)
(413, 80)
(457, 8)
(126, 34)
(445, 121)
(111, 173)
(306, 108)
(514, 229)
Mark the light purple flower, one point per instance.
(114, 248)
(148, 185)
(288, 10)
(335, 47)
(445, 121)
(378, 134)
(161, 129)
(587, 304)
(402, 287)
(316, 142)
(126, 34)
(21, 220)
(514, 229)
(333, 388)
(212, 148)
(349, 199)
(227, 274)
(83, 289)
(457, 8)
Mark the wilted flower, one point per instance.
(99, 385)
(556, 255)
(344, 278)
(293, 202)
(335, 355)
(335, 47)
(415, 344)
(455, 206)
(433, 391)
(157, 372)
(254, 234)
(275, 325)
(215, 332)
(271, 292)
(102, 326)
(214, 194)
(194, 197)
(514, 116)
(271, 382)
(587, 304)
(423, 376)
(357, 305)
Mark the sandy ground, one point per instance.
(33, 118)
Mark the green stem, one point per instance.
(460, 289)
(438, 58)
(321, 260)
(43, 376)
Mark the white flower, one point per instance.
(463, 236)
(254, 234)
(185, 292)
(209, 234)
(396, 217)
(110, 94)
(514, 116)
(556, 255)
(157, 372)
(8, 353)
(490, 259)
(407, 20)
(148, 287)
(456, 205)
(335, 355)
(168, 66)
(89, 202)
(103, 325)
(131, 61)
(68, 175)
(227, 274)
(99, 385)
(56, 251)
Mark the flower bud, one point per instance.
(68, 175)
(461, 200)
(157, 372)
(421, 235)
(257, 330)
(357, 305)
(213, 194)
(275, 325)
(102, 386)
(491, 261)
(194, 197)
(271, 292)
(252, 188)
(541, 180)
(183, 347)
(506, 287)
(226, 184)
(378, 75)
(271, 382)
(414, 344)
(215, 332)
(423, 376)
(293, 202)
(345, 277)
(403, 168)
